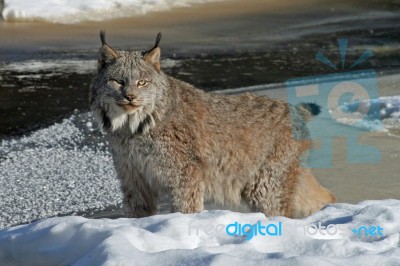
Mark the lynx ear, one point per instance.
(152, 56)
(106, 53)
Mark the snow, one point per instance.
(388, 117)
(200, 239)
(67, 12)
(35, 69)
(60, 66)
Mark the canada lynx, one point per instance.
(166, 134)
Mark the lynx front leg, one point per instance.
(187, 195)
(139, 200)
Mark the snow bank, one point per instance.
(64, 11)
(200, 239)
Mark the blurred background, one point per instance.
(53, 158)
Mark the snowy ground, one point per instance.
(201, 239)
(61, 11)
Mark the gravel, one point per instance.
(63, 169)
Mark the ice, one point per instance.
(67, 12)
(389, 108)
(61, 66)
(36, 68)
(196, 239)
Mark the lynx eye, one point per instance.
(118, 82)
(141, 83)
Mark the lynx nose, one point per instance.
(130, 97)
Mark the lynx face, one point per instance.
(126, 88)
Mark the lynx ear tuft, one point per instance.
(103, 37)
(152, 56)
(106, 53)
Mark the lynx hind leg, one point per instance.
(309, 196)
(139, 200)
(266, 194)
